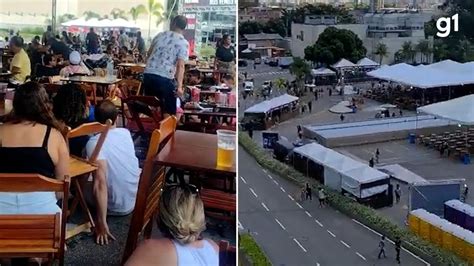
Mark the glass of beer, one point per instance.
(226, 144)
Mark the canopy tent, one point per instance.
(247, 51)
(322, 72)
(460, 109)
(342, 172)
(344, 63)
(366, 62)
(104, 23)
(268, 105)
(441, 74)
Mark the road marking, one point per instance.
(270, 177)
(362, 257)
(307, 213)
(291, 198)
(253, 192)
(320, 224)
(265, 207)
(282, 189)
(276, 183)
(278, 222)
(301, 207)
(265, 171)
(317, 264)
(389, 240)
(345, 244)
(240, 226)
(331, 233)
(243, 180)
(300, 245)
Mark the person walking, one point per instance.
(398, 194)
(250, 129)
(322, 197)
(342, 117)
(302, 193)
(382, 248)
(371, 162)
(310, 106)
(308, 192)
(300, 131)
(377, 155)
(398, 247)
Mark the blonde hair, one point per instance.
(181, 214)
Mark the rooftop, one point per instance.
(263, 36)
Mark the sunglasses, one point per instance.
(190, 187)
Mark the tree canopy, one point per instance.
(334, 44)
(322, 9)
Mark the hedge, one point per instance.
(362, 213)
(253, 251)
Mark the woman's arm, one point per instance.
(62, 164)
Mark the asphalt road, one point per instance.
(292, 232)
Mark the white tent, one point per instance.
(75, 22)
(247, 51)
(322, 72)
(104, 23)
(441, 74)
(460, 109)
(268, 105)
(344, 63)
(342, 172)
(366, 62)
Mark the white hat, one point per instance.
(75, 58)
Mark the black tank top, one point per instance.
(34, 160)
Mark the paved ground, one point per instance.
(292, 232)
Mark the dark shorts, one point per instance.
(164, 89)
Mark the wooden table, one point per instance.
(92, 79)
(132, 65)
(196, 152)
(209, 113)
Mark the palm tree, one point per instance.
(91, 14)
(118, 13)
(135, 12)
(300, 69)
(280, 83)
(407, 52)
(381, 51)
(154, 9)
(423, 47)
(65, 18)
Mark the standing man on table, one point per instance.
(164, 72)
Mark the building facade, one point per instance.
(391, 29)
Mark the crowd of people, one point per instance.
(32, 140)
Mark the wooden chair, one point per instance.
(83, 167)
(25, 235)
(152, 180)
(227, 254)
(142, 113)
(219, 204)
(127, 87)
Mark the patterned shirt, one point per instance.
(168, 47)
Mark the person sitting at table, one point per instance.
(20, 66)
(47, 68)
(125, 55)
(194, 77)
(75, 67)
(116, 180)
(31, 142)
(70, 106)
(181, 221)
(59, 48)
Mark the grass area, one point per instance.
(253, 251)
(362, 213)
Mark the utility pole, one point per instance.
(53, 19)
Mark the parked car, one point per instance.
(242, 63)
(285, 62)
(257, 61)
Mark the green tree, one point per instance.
(343, 15)
(423, 47)
(250, 27)
(334, 44)
(154, 9)
(299, 69)
(286, 18)
(280, 83)
(118, 13)
(275, 26)
(65, 18)
(408, 52)
(91, 14)
(381, 51)
(135, 12)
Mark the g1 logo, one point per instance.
(443, 25)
